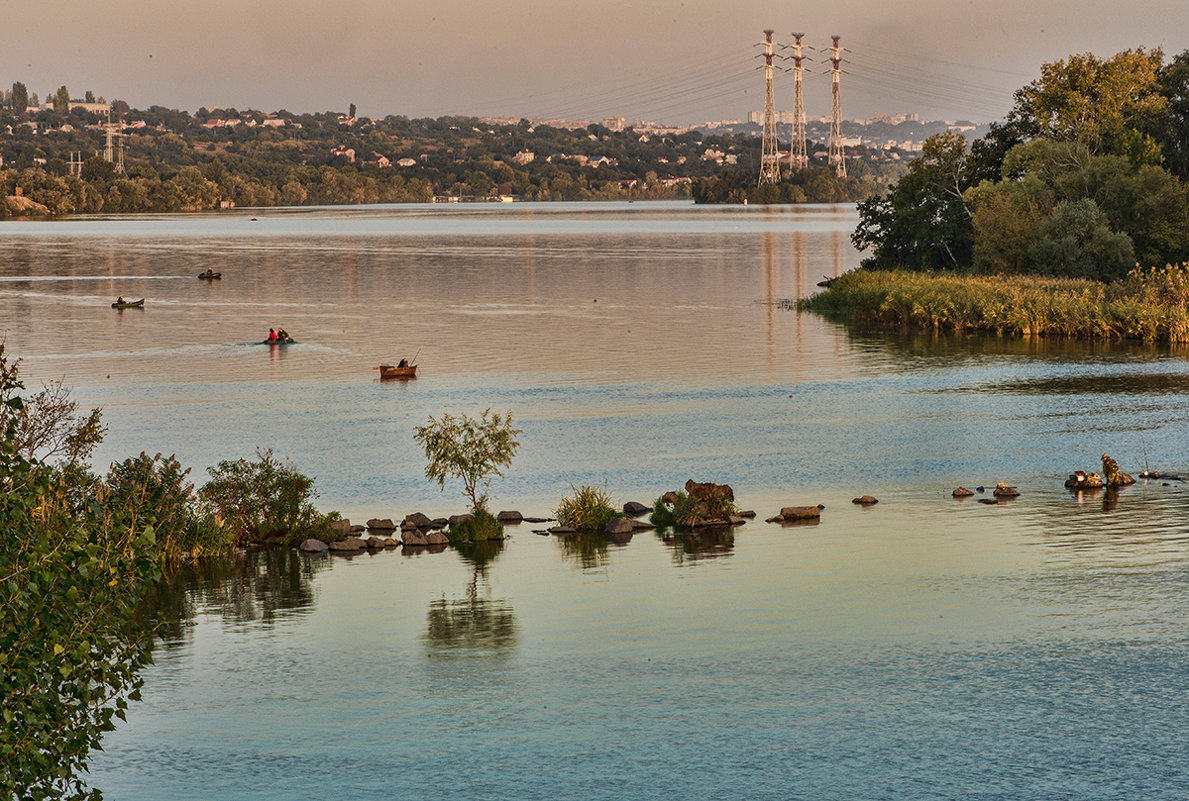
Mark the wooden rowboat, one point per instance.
(392, 371)
(210, 276)
(128, 304)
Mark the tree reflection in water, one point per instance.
(474, 625)
(257, 586)
(707, 543)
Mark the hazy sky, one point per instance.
(679, 62)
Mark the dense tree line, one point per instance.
(1086, 177)
(180, 161)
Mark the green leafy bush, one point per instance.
(154, 488)
(264, 500)
(480, 526)
(586, 509)
(682, 510)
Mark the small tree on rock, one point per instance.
(470, 449)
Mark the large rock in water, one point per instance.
(313, 546)
(341, 528)
(1004, 491)
(801, 512)
(418, 520)
(619, 525)
(381, 524)
(635, 509)
(413, 537)
(350, 544)
(709, 491)
(962, 492)
(436, 538)
(509, 517)
(458, 520)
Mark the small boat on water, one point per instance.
(128, 304)
(283, 341)
(210, 275)
(397, 371)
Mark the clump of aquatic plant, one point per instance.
(675, 510)
(1148, 305)
(479, 526)
(586, 509)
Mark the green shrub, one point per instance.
(685, 510)
(681, 513)
(586, 509)
(480, 526)
(154, 489)
(264, 500)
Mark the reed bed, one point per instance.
(1148, 305)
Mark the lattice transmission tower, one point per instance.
(798, 156)
(769, 153)
(837, 158)
(113, 148)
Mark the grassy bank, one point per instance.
(1148, 305)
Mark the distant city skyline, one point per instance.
(675, 63)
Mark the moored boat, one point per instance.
(210, 275)
(128, 304)
(397, 371)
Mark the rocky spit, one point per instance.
(419, 533)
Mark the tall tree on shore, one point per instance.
(62, 100)
(20, 98)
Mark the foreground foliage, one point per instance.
(1149, 305)
(72, 574)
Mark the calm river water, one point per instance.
(921, 648)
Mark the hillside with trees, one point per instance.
(52, 159)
